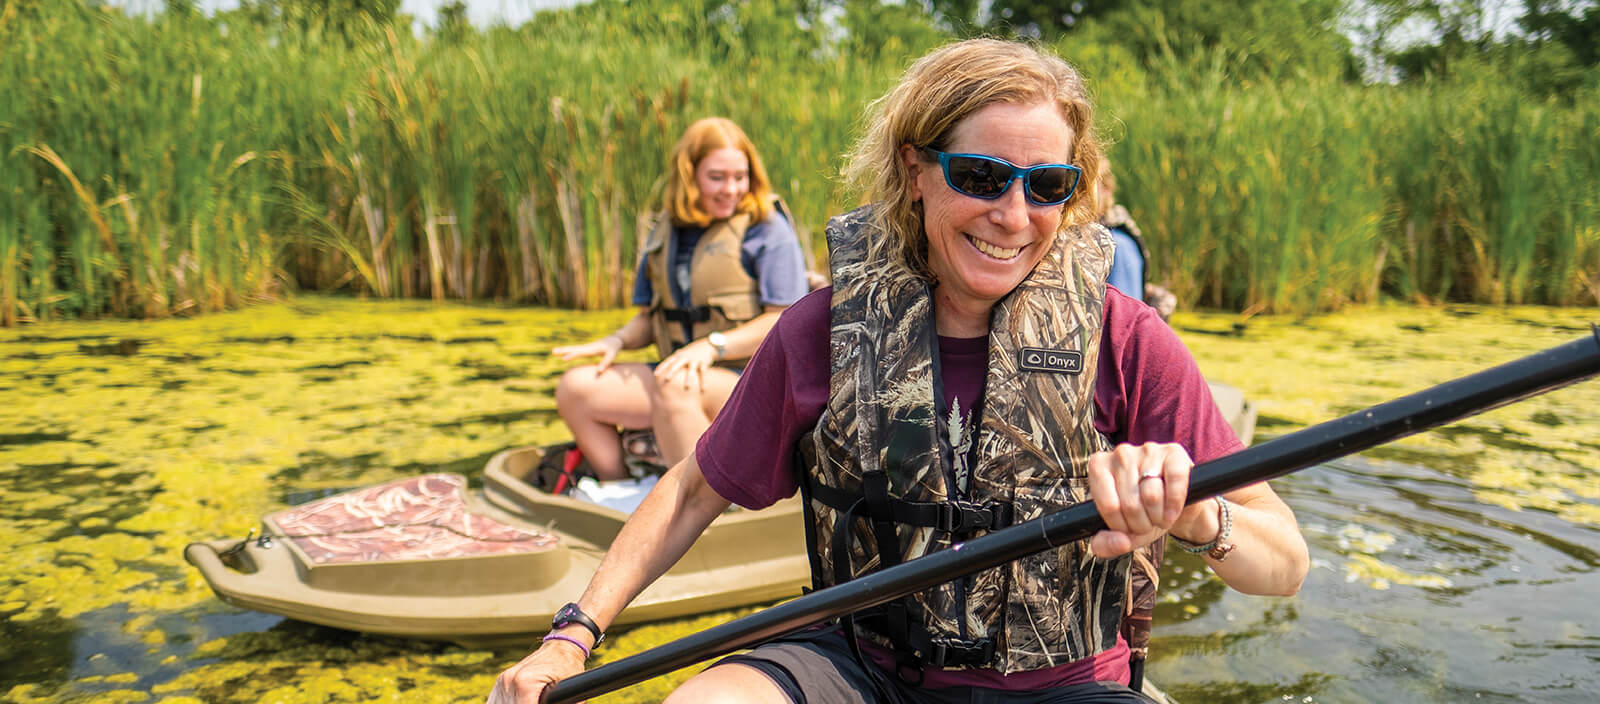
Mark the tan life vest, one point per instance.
(880, 459)
(722, 295)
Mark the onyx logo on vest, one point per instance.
(1039, 359)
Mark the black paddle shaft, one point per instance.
(1507, 383)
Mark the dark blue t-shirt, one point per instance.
(771, 255)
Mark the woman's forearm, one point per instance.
(743, 340)
(636, 332)
(1269, 556)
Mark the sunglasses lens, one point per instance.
(972, 175)
(1051, 185)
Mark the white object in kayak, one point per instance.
(620, 495)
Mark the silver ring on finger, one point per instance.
(1152, 473)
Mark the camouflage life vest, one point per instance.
(722, 295)
(885, 483)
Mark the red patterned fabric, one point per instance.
(411, 519)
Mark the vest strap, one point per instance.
(880, 511)
(697, 314)
(807, 483)
(965, 516)
(842, 540)
(957, 516)
(935, 651)
(952, 652)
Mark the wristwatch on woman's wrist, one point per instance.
(571, 614)
(719, 343)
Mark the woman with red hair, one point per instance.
(720, 263)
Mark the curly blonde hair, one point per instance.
(936, 94)
(682, 195)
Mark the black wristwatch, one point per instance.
(571, 614)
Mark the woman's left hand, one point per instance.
(1139, 491)
(687, 365)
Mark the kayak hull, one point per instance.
(744, 557)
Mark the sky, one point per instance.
(1501, 13)
(482, 12)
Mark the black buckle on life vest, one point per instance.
(954, 652)
(965, 516)
(698, 314)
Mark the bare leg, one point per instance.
(681, 415)
(594, 404)
(728, 684)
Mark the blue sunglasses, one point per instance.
(989, 177)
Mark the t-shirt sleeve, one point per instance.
(748, 453)
(1150, 389)
(772, 255)
(643, 292)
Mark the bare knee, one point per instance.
(728, 684)
(672, 399)
(575, 387)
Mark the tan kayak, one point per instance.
(1151, 690)
(427, 558)
(1240, 412)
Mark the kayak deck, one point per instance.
(424, 558)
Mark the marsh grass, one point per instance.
(1310, 195)
(178, 164)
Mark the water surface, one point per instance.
(1456, 565)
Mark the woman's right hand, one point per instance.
(606, 347)
(527, 681)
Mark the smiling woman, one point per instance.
(910, 423)
(721, 261)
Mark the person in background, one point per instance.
(1128, 265)
(968, 370)
(720, 263)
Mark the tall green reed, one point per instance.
(1492, 195)
(1257, 198)
(1304, 194)
(173, 165)
(143, 178)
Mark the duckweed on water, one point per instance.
(116, 454)
(1379, 575)
(1539, 454)
(112, 464)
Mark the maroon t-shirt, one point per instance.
(1147, 389)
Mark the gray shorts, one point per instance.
(817, 667)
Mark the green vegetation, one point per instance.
(178, 163)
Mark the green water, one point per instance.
(1455, 565)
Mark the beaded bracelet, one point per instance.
(557, 636)
(1217, 549)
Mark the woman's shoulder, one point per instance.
(778, 216)
(1124, 311)
(802, 332)
(1128, 319)
(776, 230)
(809, 316)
